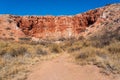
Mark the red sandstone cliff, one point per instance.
(57, 26)
(52, 27)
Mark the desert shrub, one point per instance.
(114, 48)
(85, 43)
(25, 38)
(61, 39)
(96, 56)
(76, 46)
(55, 48)
(3, 44)
(98, 43)
(73, 49)
(81, 38)
(2, 51)
(15, 50)
(85, 53)
(40, 51)
(67, 44)
(45, 43)
(71, 45)
(71, 39)
(92, 54)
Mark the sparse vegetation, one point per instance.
(106, 57)
(100, 48)
(102, 51)
(16, 56)
(55, 48)
(25, 39)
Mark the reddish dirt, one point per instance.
(62, 69)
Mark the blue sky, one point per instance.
(50, 7)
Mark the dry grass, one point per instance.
(16, 57)
(107, 57)
(113, 48)
(55, 48)
(102, 50)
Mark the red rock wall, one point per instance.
(57, 26)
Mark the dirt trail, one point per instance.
(62, 69)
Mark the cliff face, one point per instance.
(57, 26)
(52, 27)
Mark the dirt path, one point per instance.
(61, 69)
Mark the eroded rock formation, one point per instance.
(53, 27)
(57, 26)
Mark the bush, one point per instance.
(2, 52)
(3, 44)
(61, 39)
(114, 48)
(86, 53)
(73, 49)
(25, 38)
(55, 48)
(92, 54)
(15, 50)
(40, 51)
(75, 46)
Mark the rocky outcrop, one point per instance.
(109, 24)
(55, 27)
(8, 29)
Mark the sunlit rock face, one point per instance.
(57, 26)
(53, 27)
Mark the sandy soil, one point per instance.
(61, 68)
